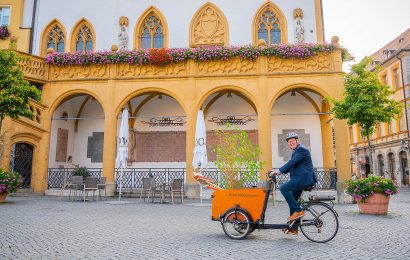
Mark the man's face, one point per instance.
(292, 143)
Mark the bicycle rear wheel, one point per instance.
(320, 223)
(236, 224)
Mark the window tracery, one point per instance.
(55, 39)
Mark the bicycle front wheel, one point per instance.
(236, 224)
(320, 223)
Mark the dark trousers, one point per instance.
(292, 194)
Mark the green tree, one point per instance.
(237, 157)
(366, 101)
(15, 92)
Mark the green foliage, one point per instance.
(346, 55)
(9, 181)
(15, 92)
(237, 157)
(363, 188)
(81, 171)
(366, 100)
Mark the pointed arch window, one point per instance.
(269, 27)
(84, 39)
(152, 32)
(55, 39)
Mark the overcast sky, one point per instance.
(365, 26)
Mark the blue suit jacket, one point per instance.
(300, 167)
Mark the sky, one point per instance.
(365, 26)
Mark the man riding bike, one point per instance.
(302, 176)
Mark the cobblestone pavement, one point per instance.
(48, 228)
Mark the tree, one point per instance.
(237, 157)
(366, 101)
(15, 92)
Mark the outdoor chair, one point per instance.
(101, 187)
(177, 188)
(146, 188)
(75, 186)
(91, 184)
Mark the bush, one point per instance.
(361, 189)
(9, 181)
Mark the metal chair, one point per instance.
(101, 187)
(146, 188)
(91, 184)
(177, 188)
(75, 185)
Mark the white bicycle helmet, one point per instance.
(291, 135)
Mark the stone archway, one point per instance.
(76, 137)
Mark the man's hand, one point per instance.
(273, 172)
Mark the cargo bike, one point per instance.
(241, 211)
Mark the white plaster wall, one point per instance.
(158, 108)
(232, 106)
(86, 127)
(67, 125)
(104, 16)
(311, 123)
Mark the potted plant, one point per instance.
(372, 193)
(81, 171)
(9, 182)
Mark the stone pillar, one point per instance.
(192, 187)
(342, 157)
(110, 141)
(327, 138)
(265, 138)
(40, 158)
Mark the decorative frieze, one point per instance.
(320, 62)
(127, 70)
(79, 72)
(234, 66)
(33, 67)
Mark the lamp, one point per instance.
(293, 93)
(229, 95)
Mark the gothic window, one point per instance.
(152, 32)
(84, 39)
(269, 27)
(55, 39)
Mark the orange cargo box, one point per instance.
(250, 199)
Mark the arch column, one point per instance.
(110, 134)
(265, 138)
(39, 176)
(190, 144)
(6, 146)
(342, 150)
(327, 141)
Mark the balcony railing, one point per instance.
(132, 177)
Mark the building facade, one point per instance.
(77, 120)
(390, 142)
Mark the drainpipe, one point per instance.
(33, 22)
(404, 96)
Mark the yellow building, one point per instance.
(77, 119)
(390, 142)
